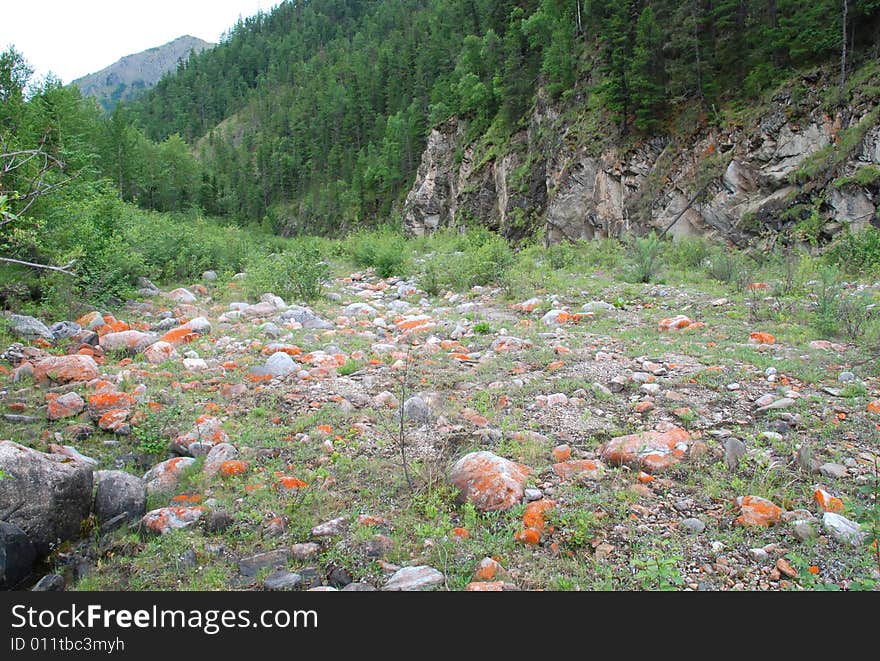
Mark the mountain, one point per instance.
(581, 118)
(129, 76)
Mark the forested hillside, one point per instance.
(325, 105)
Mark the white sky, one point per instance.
(72, 38)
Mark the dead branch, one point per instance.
(47, 267)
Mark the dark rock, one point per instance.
(310, 577)
(277, 559)
(64, 329)
(17, 556)
(339, 578)
(118, 492)
(281, 579)
(218, 521)
(359, 587)
(47, 496)
(49, 583)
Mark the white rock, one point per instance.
(842, 529)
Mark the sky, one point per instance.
(72, 38)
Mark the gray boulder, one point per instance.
(410, 579)
(306, 317)
(63, 329)
(280, 364)
(46, 495)
(17, 556)
(119, 493)
(29, 327)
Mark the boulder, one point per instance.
(17, 556)
(29, 327)
(488, 481)
(65, 369)
(410, 579)
(164, 476)
(47, 496)
(118, 492)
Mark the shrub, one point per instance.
(646, 251)
(298, 273)
(729, 267)
(857, 252)
(384, 249)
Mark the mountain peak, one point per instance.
(132, 74)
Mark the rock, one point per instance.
(581, 469)
(47, 496)
(67, 405)
(130, 340)
(757, 511)
(17, 556)
(533, 494)
(378, 545)
(271, 330)
(836, 471)
(168, 519)
(555, 317)
(118, 492)
(759, 555)
(846, 377)
(827, 502)
(182, 295)
(652, 450)
(280, 364)
(734, 450)
(339, 577)
(49, 583)
(803, 530)
(195, 365)
(692, 526)
(360, 310)
(304, 551)
(359, 587)
(198, 325)
(415, 408)
(206, 434)
(841, 529)
(331, 528)
(598, 307)
(488, 481)
(65, 369)
(218, 521)
(783, 403)
(147, 288)
(28, 327)
(306, 318)
(209, 276)
(784, 567)
(281, 579)
(165, 475)
(219, 454)
(159, 352)
(62, 330)
(411, 579)
(250, 566)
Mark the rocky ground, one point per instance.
(607, 436)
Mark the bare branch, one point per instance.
(59, 269)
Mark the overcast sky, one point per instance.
(72, 38)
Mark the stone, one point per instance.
(339, 577)
(652, 450)
(129, 340)
(692, 525)
(165, 475)
(206, 434)
(271, 330)
(488, 481)
(533, 494)
(803, 530)
(220, 453)
(846, 377)
(756, 511)
(28, 327)
(359, 587)
(168, 519)
(62, 330)
(47, 496)
(734, 450)
(65, 369)
(17, 556)
(598, 307)
(580, 469)
(218, 521)
(281, 579)
(305, 317)
(783, 403)
(181, 295)
(842, 529)
(49, 583)
(759, 555)
(159, 352)
(330, 528)
(209, 276)
(198, 325)
(416, 409)
(68, 405)
(118, 492)
(411, 579)
(827, 502)
(836, 471)
(280, 364)
(251, 566)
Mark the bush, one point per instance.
(384, 249)
(857, 252)
(463, 261)
(730, 268)
(298, 273)
(688, 253)
(646, 253)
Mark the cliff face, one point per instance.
(796, 160)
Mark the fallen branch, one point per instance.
(59, 269)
